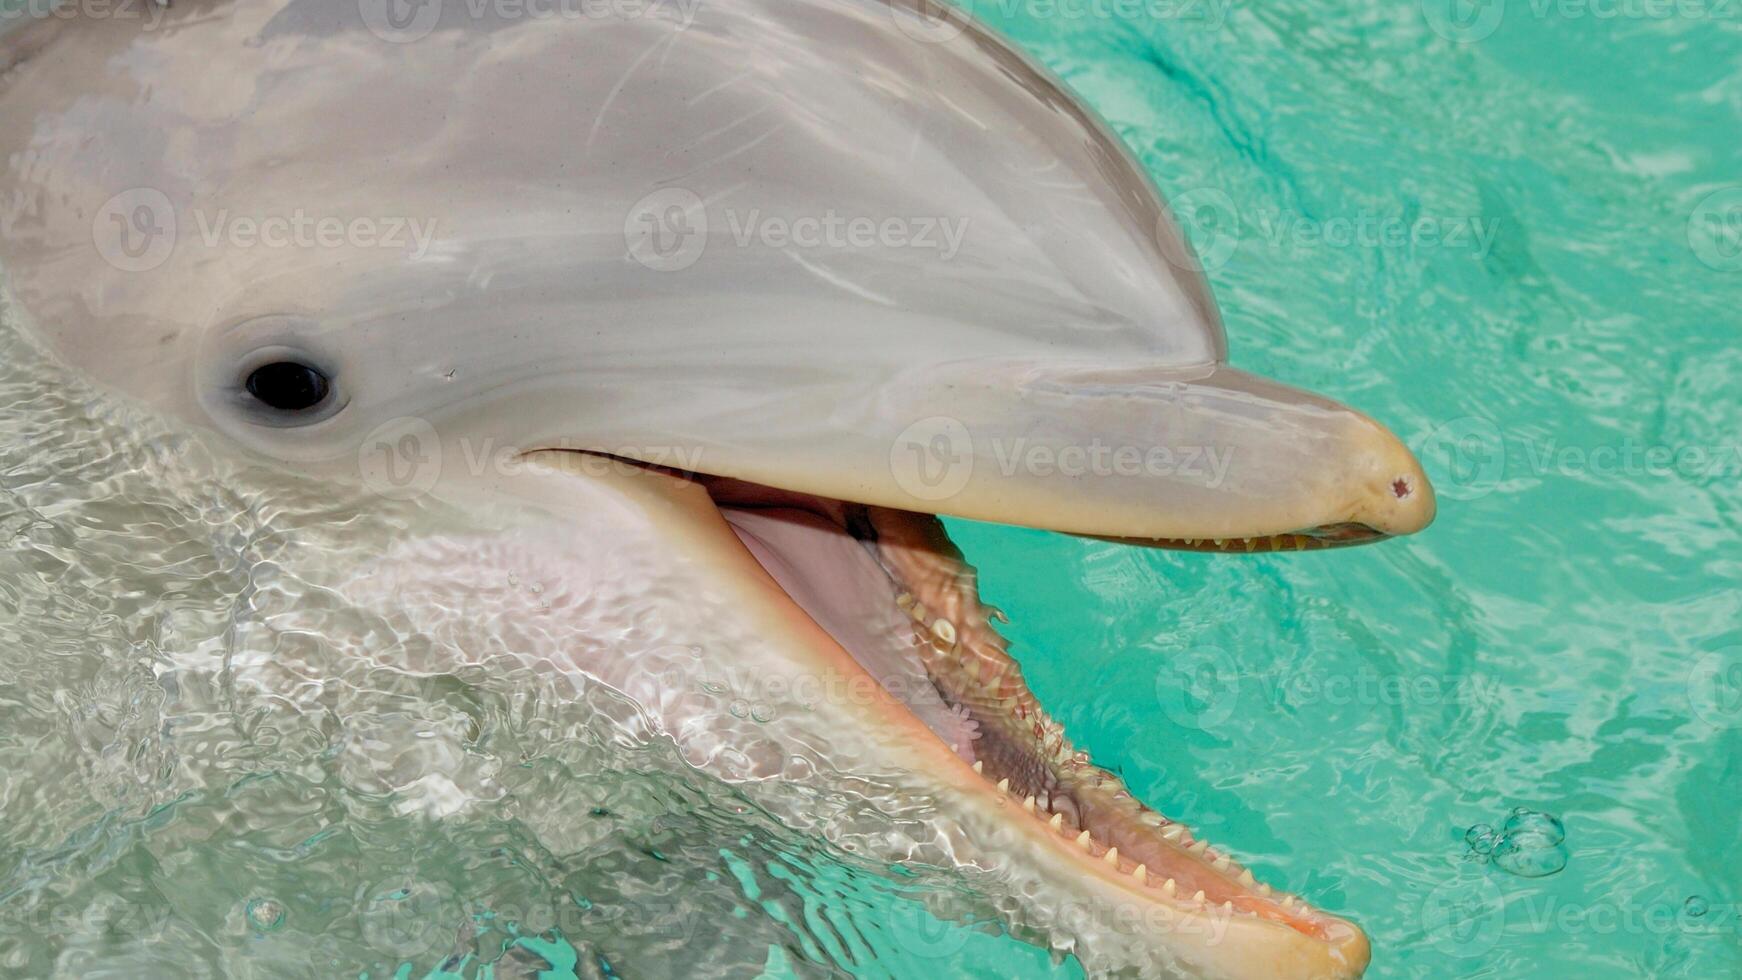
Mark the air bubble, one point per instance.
(1480, 837)
(1529, 856)
(264, 914)
(1545, 826)
(1695, 907)
(1529, 843)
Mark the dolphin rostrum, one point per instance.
(703, 311)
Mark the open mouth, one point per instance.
(892, 589)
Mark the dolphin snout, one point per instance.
(1393, 494)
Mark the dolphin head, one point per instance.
(761, 286)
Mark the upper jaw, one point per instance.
(1177, 457)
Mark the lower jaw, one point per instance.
(1019, 753)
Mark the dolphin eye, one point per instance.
(288, 386)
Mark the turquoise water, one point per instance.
(1513, 239)
(1544, 303)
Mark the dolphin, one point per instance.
(701, 314)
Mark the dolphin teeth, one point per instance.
(1263, 889)
(1057, 822)
(945, 631)
(1221, 862)
(1028, 804)
(1199, 848)
(1083, 840)
(904, 600)
(1173, 832)
(1220, 542)
(1199, 897)
(1141, 873)
(980, 767)
(1004, 785)
(1169, 889)
(1288, 901)
(917, 612)
(1111, 857)
(1228, 906)
(1247, 879)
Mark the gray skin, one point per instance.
(841, 247)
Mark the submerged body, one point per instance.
(616, 329)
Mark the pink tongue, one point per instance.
(837, 581)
